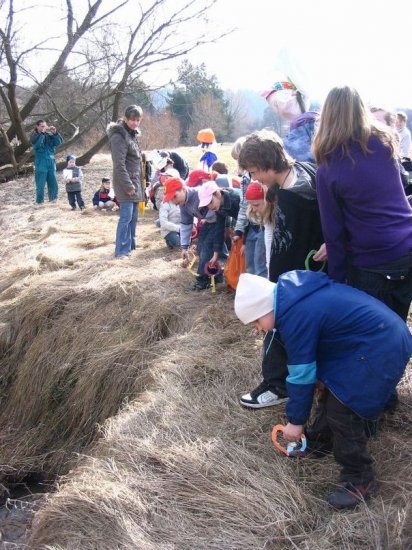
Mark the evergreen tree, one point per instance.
(192, 87)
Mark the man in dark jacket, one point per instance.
(127, 176)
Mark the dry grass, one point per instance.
(193, 154)
(115, 377)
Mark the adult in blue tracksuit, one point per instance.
(208, 240)
(347, 340)
(44, 140)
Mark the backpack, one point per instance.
(298, 141)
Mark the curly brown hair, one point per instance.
(264, 150)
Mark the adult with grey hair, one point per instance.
(127, 176)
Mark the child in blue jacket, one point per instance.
(104, 198)
(344, 338)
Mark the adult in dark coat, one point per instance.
(127, 176)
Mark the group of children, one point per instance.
(344, 332)
(200, 225)
(103, 199)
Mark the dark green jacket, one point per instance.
(44, 146)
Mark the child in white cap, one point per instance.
(347, 340)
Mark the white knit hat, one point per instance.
(254, 297)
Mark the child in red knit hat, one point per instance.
(254, 236)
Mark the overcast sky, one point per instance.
(364, 43)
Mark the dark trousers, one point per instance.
(336, 427)
(74, 196)
(274, 363)
(390, 283)
(205, 243)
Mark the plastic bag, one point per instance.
(235, 265)
(283, 100)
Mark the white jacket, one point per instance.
(169, 217)
(269, 227)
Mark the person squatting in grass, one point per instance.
(347, 340)
(169, 221)
(44, 140)
(104, 198)
(127, 177)
(209, 245)
(296, 231)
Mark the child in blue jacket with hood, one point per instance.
(344, 338)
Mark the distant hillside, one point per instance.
(254, 103)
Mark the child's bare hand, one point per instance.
(185, 258)
(292, 432)
(213, 259)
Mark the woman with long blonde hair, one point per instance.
(366, 218)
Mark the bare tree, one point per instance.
(104, 58)
(238, 117)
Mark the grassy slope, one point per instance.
(124, 364)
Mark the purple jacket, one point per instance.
(366, 218)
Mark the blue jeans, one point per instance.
(255, 253)
(173, 239)
(41, 177)
(126, 229)
(205, 248)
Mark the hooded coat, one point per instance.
(127, 162)
(341, 336)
